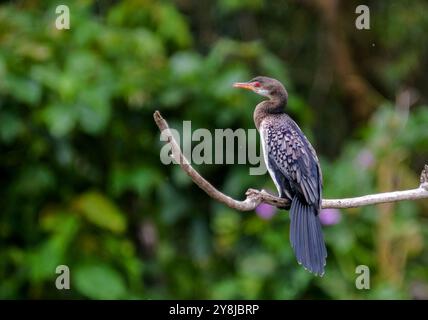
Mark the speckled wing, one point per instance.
(291, 154)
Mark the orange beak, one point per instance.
(244, 85)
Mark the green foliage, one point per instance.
(82, 183)
(99, 282)
(100, 211)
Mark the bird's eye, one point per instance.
(256, 84)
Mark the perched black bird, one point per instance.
(294, 167)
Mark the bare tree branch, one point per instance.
(255, 197)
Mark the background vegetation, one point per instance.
(82, 183)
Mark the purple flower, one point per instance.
(330, 217)
(265, 211)
(365, 159)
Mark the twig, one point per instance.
(255, 197)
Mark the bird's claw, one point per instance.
(252, 192)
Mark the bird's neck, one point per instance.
(274, 105)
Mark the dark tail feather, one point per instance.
(306, 237)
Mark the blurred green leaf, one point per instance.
(59, 118)
(100, 211)
(139, 179)
(34, 180)
(25, 90)
(10, 126)
(45, 258)
(172, 26)
(257, 265)
(98, 281)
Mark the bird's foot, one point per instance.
(252, 192)
(267, 197)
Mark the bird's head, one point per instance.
(264, 86)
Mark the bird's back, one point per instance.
(290, 155)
